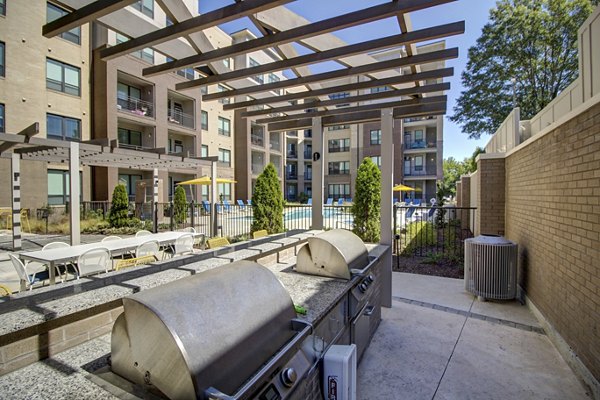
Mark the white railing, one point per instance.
(507, 135)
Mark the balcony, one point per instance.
(429, 170)
(418, 119)
(292, 154)
(135, 106)
(339, 172)
(337, 149)
(308, 154)
(291, 175)
(421, 144)
(308, 175)
(308, 133)
(180, 118)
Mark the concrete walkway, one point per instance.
(438, 342)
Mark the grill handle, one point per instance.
(304, 330)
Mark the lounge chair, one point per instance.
(241, 204)
(227, 205)
(206, 206)
(329, 202)
(249, 202)
(309, 202)
(340, 201)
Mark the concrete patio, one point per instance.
(439, 342)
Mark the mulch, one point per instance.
(422, 265)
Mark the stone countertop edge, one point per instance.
(17, 314)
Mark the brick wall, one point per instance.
(490, 195)
(465, 201)
(553, 213)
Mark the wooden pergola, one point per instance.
(185, 42)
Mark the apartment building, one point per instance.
(42, 80)
(418, 147)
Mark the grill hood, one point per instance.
(335, 253)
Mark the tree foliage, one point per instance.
(453, 170)
(267, 202)
(119, 208)
(180, 205)
(366, 207)
(533, 42)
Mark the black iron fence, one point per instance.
(300, 217)
(434, 232)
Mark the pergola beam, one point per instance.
(296, 34)
(360, 117)
(23, 136)
(436, 32)
(394, 80)
(366, 107)
(424, 58)
(437, 87)
(83, 15)
(201, 22)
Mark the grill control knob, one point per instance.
(370, 278)
(363, 287)
(288, 377)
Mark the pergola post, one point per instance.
(16, 200)
(213, 199)
(155, 200)
(387, 181)
(74, 191)
(318, 172)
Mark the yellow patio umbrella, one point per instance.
(402, 188)
(206, 180)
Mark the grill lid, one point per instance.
(213, 329)
(334, 254)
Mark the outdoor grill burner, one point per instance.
(228, 333)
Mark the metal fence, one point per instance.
(300, 217)
(437, 232)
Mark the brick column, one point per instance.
(491, 195)
(465, 201)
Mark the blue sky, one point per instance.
(474, 12)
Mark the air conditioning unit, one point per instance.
(491, 267)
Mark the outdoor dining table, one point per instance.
(52, 257)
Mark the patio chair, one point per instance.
(206, 206)
(111, 238)
(416, 202)
(189, 229)
(309, 202)
(241, 204)
(93, 261)
(149, 248)
(340, 201)
(329, 201)
(249, 201)
(63, 269)
(143, 232)
(27, 280)
(227, 205)
(183, 245)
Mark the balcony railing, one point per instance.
(417, 119)
(182, 152)
(308, 154)
(180, 118)
(291, 175)
(135, 106)
(420, 144)
(339, 149)
(415, 171)
(307, 176)
(257, 140)
(292, 154)
(339, 172)
(123, 145)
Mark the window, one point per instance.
(221, 88)
(2, 120)
(2, 59)
(204, 120)
(146, 7)
(204, 151)
(339, 168)
(419, 136)
(62, 77)
(2, 7)
(146, 54)
(253, 63)
(339, 145)
(130, 182)
(129, 137)
(58, 187)
(376, 136)
(224, 127)
(225, 156)
(338, 127)
(272, 79)
(224, 190)
(63, 128)
(53, 13)
(339, 190)
(376, 160)
(380, 89)
(175, 146)
(419, 163)
(187, 73)
(340, 96)
(227, 63)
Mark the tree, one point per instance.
(180, 205)
(366, 207)
(267, 202)
(454, 169)
(534, 43)
(119, 209)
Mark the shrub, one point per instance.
(302, 198)
(180, 205)
(119, 210)
(366, 206)
(267, 202)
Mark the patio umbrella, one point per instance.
(206, 180)
(402, 188)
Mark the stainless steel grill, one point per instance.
(221, 334)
